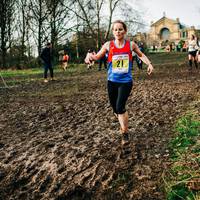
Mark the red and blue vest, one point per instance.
(120, 63)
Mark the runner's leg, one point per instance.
(112, 94)
(123, 93)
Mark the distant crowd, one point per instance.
(182, 46)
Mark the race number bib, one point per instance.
(120, 63)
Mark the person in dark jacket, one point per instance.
(138, 60)
(46, 57)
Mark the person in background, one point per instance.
(103, 60)
(184, 49)
(192, 51)
(137, 58)
(60, 57)
(65, 60)
(46, 56)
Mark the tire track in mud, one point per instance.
(70, 148)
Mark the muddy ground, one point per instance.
(60, 140)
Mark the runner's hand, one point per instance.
(89, 58)
(87, 61)
(149, 69)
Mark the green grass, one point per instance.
(180, 191)
(188, 129)
(35, 71)
(14, 77)
(11, 73)
(159, 59)
(185, 157)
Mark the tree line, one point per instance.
(75, 25)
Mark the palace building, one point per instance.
(166, 31)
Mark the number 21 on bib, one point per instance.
(120, 64)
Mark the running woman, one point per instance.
(119, 72)
(192, 51)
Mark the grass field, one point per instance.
(158, 59)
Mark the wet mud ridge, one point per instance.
(54, 146)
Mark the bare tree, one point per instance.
(38, 16)
(59, 18)
(6, 20)
(99, 4)
(89, 13)
(132, 17)
(112, 6)
(23, 25)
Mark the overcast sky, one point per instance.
(188, 11)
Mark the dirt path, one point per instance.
(56, 144)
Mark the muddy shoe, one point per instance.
(126, 152)
(125, 138)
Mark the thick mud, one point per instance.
(60, 140)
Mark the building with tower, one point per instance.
(165, 32)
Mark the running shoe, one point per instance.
(125, 138)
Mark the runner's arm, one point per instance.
(100, 54)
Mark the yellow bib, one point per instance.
(120, 63)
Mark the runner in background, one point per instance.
(65, 60)
(60, 57)
(192, 52)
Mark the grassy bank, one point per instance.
(158, 59)
(14, 77)
(37, 71)
(171, 58)
(182, 180)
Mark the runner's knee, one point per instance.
(120, 109)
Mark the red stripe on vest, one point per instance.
(113, 50)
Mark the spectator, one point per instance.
(46, 57)
(103, 60)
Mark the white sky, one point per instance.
(188, 11)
